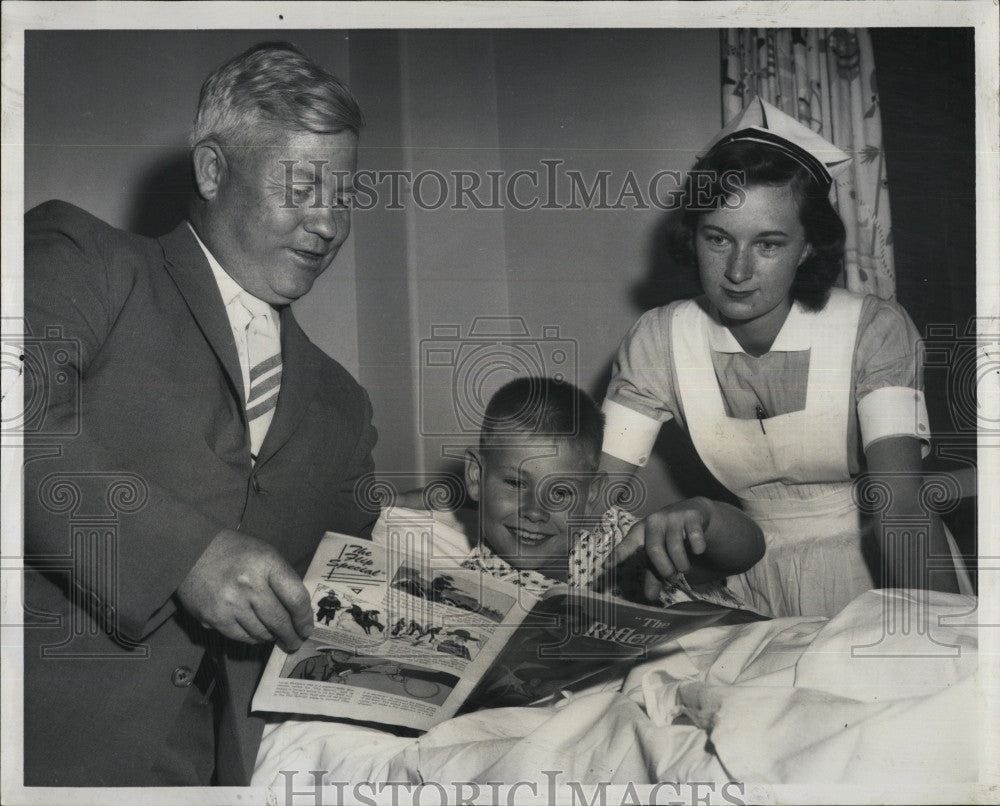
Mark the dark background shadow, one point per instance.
(160, 199)
(931, 167)
(666, 279)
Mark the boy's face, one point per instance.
(527, 493)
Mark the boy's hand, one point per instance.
(667, 536)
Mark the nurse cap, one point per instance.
(760, 122)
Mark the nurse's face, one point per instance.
(747, 259)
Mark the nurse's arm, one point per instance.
(703, 539)
(895, 462)
(629, 437)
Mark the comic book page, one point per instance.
(394, 634)
(571, 635)
(404, 636)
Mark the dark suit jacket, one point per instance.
(137, 455)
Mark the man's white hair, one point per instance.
(270, 87)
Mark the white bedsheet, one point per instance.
(795, 700)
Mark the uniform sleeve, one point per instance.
(888, 379)
(640, 395)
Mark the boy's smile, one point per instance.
(527, 494)
(523, 535)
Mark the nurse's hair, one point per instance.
(268, 88)
(730, 169)
(537, 406)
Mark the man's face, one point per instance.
(526, 495)
(280, 213)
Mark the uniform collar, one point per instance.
(796, 333)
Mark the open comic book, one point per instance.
(404, 636)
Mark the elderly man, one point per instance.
(201, 443)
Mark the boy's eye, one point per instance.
(512, 481)
(714, 240)
(769, 247)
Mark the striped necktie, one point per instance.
(264, 354)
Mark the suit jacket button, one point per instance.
(182, 677)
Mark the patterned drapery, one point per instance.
(825, 77)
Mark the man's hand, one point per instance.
(667, 537)
(244, 589)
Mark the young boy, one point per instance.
(535, 477)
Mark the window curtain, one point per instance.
(825, 77)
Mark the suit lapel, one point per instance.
(189, 268)
(299, 368)
(186, 263)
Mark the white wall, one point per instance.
(616, 101)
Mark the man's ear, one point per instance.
(473, 473)
(210, 168)
(595, 493)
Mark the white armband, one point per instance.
(894, 411)
(628, 435)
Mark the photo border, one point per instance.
(21, 16)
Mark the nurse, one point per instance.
(789, 388)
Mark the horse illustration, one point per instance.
(366, 619)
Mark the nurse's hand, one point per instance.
(668, 538)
